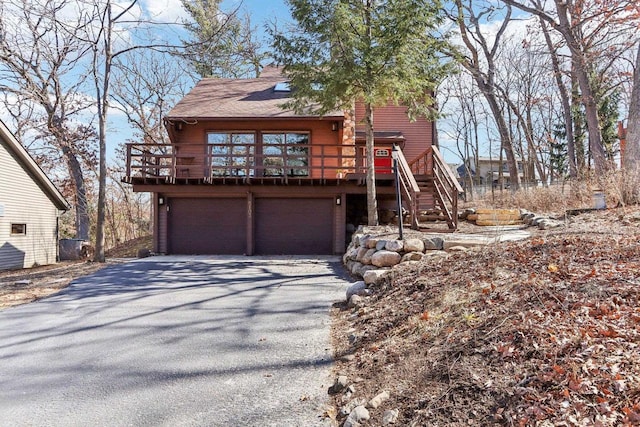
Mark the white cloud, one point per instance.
(165, 10)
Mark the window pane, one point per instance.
(231, 153)
(297, 138)
(243, 138)
(282, 156)
(273, 138)
(18, 228)
(272, 151)
(218, 138)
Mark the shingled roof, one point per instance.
(214, 98)
(8, 139)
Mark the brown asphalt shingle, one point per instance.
(235, 98)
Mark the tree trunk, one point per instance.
(565, 100)
(506, 144)
(81, 203)
(372, 203)
(99, 255)
(588, 100)
(578, 126)
(631, 157)
(102, 98)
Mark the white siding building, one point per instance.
(29, 208)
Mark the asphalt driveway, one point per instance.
(211, 341)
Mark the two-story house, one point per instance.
(242, 175)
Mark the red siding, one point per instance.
(418, 134)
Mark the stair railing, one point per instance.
(409, 187)
(446, 188)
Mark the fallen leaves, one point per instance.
(553, 340)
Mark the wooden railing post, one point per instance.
(128, 173)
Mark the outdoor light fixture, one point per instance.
(160, 201)
(338, 201)
(334, 126)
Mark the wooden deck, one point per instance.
(426, 183)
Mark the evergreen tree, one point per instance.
(376, 51)
(221, 44)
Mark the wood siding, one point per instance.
(160, 235)
(23, 201)
(418, 134)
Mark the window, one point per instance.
(232, 153)
(285, 154)
(18, 229)
(282, 87)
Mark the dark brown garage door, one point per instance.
(294, 227)
(207, 226)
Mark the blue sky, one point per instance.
(261, 10)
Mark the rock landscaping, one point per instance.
(379, 248)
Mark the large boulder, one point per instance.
(433, 243)
(412, 256)
(371, 243)
(385, 258)
(351, 254)
(361, 253)
(366, 258)
(374, 277)
(355, 267)
(363, 270)
(394, 245)
(413, 245)
(356, 288)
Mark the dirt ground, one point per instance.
(24, 286)
(27, 285)
(542, 332)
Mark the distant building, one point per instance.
(490, 171)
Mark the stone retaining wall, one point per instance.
(370, 252)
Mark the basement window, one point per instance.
(18, 229)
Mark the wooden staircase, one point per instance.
(429, 188)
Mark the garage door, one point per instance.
(294, 227)
(207, 226)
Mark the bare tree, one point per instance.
(565, 98)
(572, 21)
(631, 157)
(39, 63)
(108, 29)
(479, 59)
(147, 85)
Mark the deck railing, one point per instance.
(208, 162)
